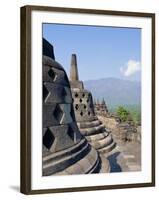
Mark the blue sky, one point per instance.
(101, 51)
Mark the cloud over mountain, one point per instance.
(131, 68)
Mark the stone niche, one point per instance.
(65, 149)
(90, 126)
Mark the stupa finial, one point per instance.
(74, 69)
(103, 101)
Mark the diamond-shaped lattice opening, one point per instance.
(80, 100)
(87, 100)
(71, 133)
(85, 106)
(52, 74)
(76, 106)
(58, 113)
(81, 113)
(48, 139)
(76, 95)
(89, 113)
(45, 92)
(83, 95)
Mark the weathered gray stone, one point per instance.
(66, 117)
(65, 150)
(108, 148)
(56, 93)
(62, 141)
(88, 123)
(54, 75)
(49, 62)
(101, 108)
(52, 115)
(106, 141)
(78, 84)
(65, 153)
(94, 130)
(77, 169)
(97, 136)
(54, 166)
(74, 72)
(48, 50)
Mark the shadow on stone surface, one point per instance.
(114, 166)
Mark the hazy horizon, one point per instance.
(102, 78)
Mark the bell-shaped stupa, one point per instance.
(65, 149)
(101, 108)
(92, 128)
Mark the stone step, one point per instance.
(66, 152)
(89, 124)
(101, 166)
(54, 166)
(98, 144)
(96, 137)
(95, 168)
(108, 148)
(88, 164)
(86, 119)
(105, 166)
(93, 130)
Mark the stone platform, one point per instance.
(126, 157)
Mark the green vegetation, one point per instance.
(127, 112)
(122, 113)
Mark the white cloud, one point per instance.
(131, 68)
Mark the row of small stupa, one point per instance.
(100, 108)
(74, 140)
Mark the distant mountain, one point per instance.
(115, 91)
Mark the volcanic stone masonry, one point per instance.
(65, 149)
(93, 129)
(100, 108)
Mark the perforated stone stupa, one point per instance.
(65, 149)
(101, 108)
(93, 129)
